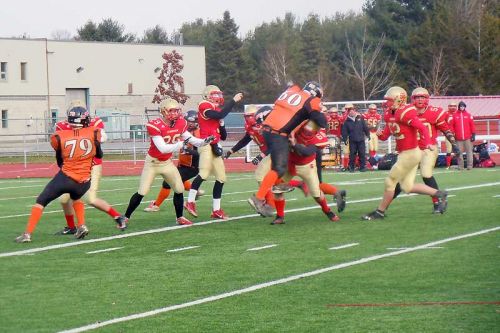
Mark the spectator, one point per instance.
(462, 125)
(355, 129)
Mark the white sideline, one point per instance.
(272, 283)
(106, 250)
(343, 246)
(262, 247)
(183, 249)
(404, 248)
(153, 231)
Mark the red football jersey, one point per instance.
(403, 124)
(434, 119)
(256, 135)
(170, 133)
(207, 125)
(334, 125)
(320, 140)
(372, 120)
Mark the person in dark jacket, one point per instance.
(355, 129)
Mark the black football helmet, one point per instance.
(192, 119)
(314, 88)
(78, 116)
(262, 114)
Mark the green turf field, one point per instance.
(379, 277)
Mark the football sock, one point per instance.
(162, 195)
(448, 161)
(194, 188)
(270, 199)
(187, 185)
(79, 208)
(134, 202)
(280, 207)
(70, 221)
(324, 205)
(217, 191)
(112, 212)
(345, 162)
(36, 214)
(327, 188)
(267, 183)
(295, 183)
(178, 204)
(216, 204)
(192, 195)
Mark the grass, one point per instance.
(66, 288)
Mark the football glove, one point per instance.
(256, 160)
(455, 149)
(209, 139)
(227, 154)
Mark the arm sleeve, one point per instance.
(212, 114)
(223, 132)
(197, 142)
(305, 150)
(386, 133)
(55, 142)
(192, 152)
(166, 148)
(104, 136)
(97, 141)
(319, 118)
(242, 143)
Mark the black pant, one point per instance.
(59, 185)
(357, 148)
(277, 146)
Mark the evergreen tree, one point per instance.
(156, 35)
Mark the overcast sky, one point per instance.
(40, 18)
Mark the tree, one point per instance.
(171, 83)
(88, 32)
(369, 67)
(276, 64)
(61, 34)
(437, 78)
(156, 35)
(107, 30)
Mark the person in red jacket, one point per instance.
(462, 125)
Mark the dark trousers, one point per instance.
(357, 148)
(277, 146)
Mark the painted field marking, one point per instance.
(106, 250)
(496, 196)
(272, 283)
(183, 249)
(343, 246)
(234, 218)
(404, 248)
(262, 247)
(412, 304)
(245, 200)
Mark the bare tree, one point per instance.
(436, 79)
(276, 64)
(61, 34)
(171, 83)
(367, 65)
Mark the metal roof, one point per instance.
(478, 106)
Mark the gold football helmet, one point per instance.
(213, 94)
(395, 97)
(333, 110)
(348, 106)
(420, 102)
(372, 108)
(249, 115)
(170, 109)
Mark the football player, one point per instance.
(211, 111)
(91, 196)
(305, 143)
(75, 151)
(434, 119)
(452, 108)
(168, 134)
(292, 107)
(187, 165)
(372, 118)
(402, 122)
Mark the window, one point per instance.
(23, 71)
(3, 71)
(130, 88)
(5, 120)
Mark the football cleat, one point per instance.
(340, 200)
(332, 217)
(66, 231)
(183, 221)
(282, 188)
(191, 208)
(375, 215)
(152, 207)
(442, 197)
(219, 214)
(121, 222)
(24, 238)
(81, 232)
(260, 206)
(278, 220)
(435, 209)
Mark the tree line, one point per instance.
(451, 47)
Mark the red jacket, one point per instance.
(462, 125)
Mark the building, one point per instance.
(39, 77)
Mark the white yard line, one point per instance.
(262, 247)
(496, 196)
(234, 218)
(183, 249)
(245, 200)
(343, 246)
(272, 283)
(106, 250)
(404, 248)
